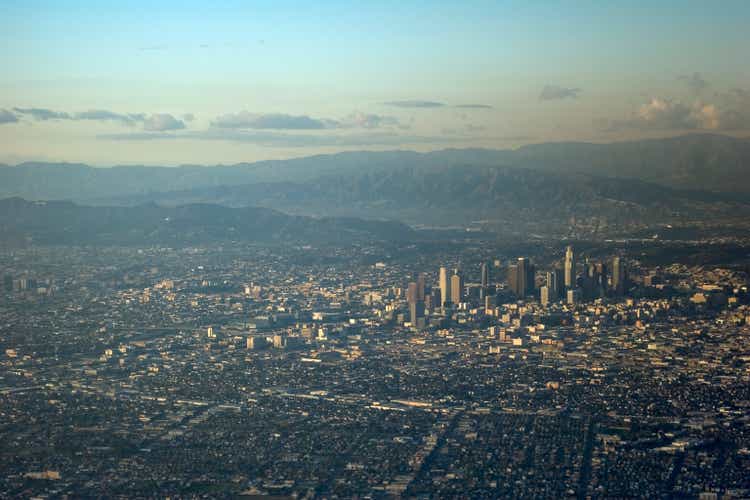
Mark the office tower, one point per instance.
(522, 273)
(553, 285)
(570, 267)
(513, 279)
(521, 277)
(574, 296)
(530, 277)
(590, 279)
(457, 287)
(544, 295)
(411, 293)
(416, 312)
(421, 285)
(601, 279)
(560, 282)
(445, 292)
(485, 280)
(527, 273)
(618, 276)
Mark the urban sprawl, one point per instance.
(371, 371)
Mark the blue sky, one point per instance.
(221, 82)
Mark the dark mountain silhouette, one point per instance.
(62, 222)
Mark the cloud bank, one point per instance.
(554, 92)
(161, 121)
(42, 114)
(154, 122)
(7, 117)
(279, 121)
(415, 104)
(473, 106)
(731, 111)
(271, 121)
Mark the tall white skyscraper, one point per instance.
(445, 288)
(570, 268)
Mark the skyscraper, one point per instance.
(421, 279)
(444, 286)
(521, 282)
(553, 282)
(618, 276)
(521, 277)
(513, 278)
(570, 267)
(457, 287)
(411, 293)
(485, 270)
(416, 312)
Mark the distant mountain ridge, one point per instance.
(699, 162)
(66, 223)
(540, 188)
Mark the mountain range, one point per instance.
(532, 188)
(67, 223)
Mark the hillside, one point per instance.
(57, 222)
(697, 162)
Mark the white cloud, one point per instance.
(271, 121)
(162, 121)
(7, 117)
(553, 92)
(730, 112)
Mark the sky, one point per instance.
(188, 82)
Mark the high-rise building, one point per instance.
(434, 300)
(589, 280)
(521, 277)
(555, 284)
(411, 293)
(421, 285)
(457, 287)
(544, 295)
(618, 276)
(416, 312)
(485, 280)
(513, 279)
(552, 286)
(444, 286)
(570, 267)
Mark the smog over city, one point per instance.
(336, 250)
